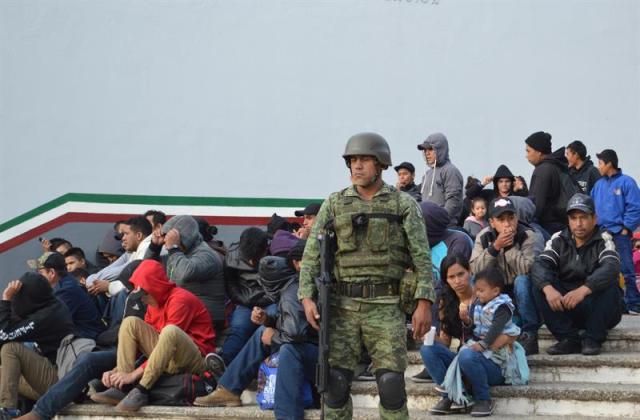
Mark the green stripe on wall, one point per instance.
(157, 200)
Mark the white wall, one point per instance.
(256, 98)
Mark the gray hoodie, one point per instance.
(442, 184)
(195, 266)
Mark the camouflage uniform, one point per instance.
(377, 252)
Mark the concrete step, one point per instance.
(551, 399)
(249, 412)
(614, 368)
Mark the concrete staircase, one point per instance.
(573, 386)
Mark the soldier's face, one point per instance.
(404, 177)
(364, 170)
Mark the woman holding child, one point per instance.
(482, 320)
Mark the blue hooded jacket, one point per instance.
(617, 200)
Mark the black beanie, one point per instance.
(540, 141)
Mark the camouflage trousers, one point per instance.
(381, 328)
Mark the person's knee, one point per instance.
(391, 389)
(170, 332)
(130, 323)
(10, 348)
(467, 357)
(339, 387)
(288, 353)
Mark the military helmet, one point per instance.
(368, 144)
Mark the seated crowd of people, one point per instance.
(165, 298)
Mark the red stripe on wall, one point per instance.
(112, 218)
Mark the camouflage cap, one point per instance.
(48, 260)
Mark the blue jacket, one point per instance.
(617, 200)
(87, 322)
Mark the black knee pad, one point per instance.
(391, 389)
(339, 387)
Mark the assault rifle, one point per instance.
(323, 284)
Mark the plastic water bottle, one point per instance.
(430, 337)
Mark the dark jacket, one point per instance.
(545, 188)
(84, 313)
(596, 264)
(478, 190)
(291, 323)
(242, 281)
(34, 314)
(413, 190)
(195, 267)
(586, 176)
(274, 274)
(436, 219)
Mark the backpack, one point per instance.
(568, 188)
(267, 376)
(180, 389)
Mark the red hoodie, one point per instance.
(176, 306)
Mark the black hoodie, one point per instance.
(586, 176)
(545, 187)
(34, 314)
(477, 190)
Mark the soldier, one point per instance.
(380, 233)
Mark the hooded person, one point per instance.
(192, 264)
(175, 335)
(29, 312)
(442, 182)
(503, 186)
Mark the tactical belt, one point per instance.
(366, 290)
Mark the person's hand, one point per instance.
(106, 378)
(156, 236)
(624, 231)
(518, 184)
(172, 238)
(267, 334)
(554, 298)
(12, 288)
(120, 379)
(504, 240)
(463, 310)
(98, 286)
(258, 316)
(477, 347)
(574, 297)
(502, 341)
(46, 244)
(487, 180)
(421, 319)
(311, 313)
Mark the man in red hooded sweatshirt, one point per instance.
(175, 335)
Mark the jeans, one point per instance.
(88, 366)
(437, 359)
(480, 372)
(623, 246)
(526, 305)
(297, 363)
(597, 313)
(245, 365)
(240, 329)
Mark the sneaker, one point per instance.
(482, 408)
(9, 413)
(422, 377)
(111, 396)
(219, 398)
(215, 365)
(442, 407)
(565, 346)
(633, 309)
(366, 375)
(529, 341)
(590, 347)
(134, 401)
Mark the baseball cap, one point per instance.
(432, 138)
(48, 260)
(581, 202)
(609, 155)
(311, 210)
(405, 165)
(501, 205)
